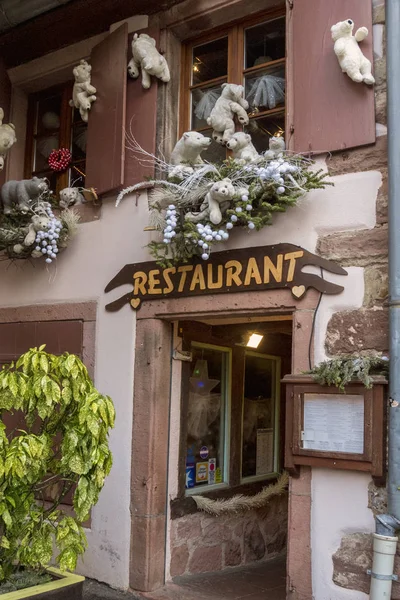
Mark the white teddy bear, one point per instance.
(70, 196)
(38, 223)
(7, 138)
(350, 57)
(83, 93)
(189, 148)
(276, 146)
(146, 57)
(242, 147)
(215, 203)
(230, 103)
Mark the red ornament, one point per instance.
(59, 160)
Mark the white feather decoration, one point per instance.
(267, 91)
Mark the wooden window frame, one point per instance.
(65, 131)
(236, 70)
(372, 460)
(199, 333)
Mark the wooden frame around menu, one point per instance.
(373, 458)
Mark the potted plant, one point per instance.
(61, 448)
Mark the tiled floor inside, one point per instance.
(261, 581)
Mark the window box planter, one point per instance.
(65, 586)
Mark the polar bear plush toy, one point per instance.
(146, 57)
(242, 147)
(230, 103)
(276, 147)
(38, 223)
(215, 203)
(70, 196)
(7, 138)
(351, 59)
(189, 148)
(22, 193)
(83, 93)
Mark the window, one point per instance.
(208, 416)
(251, 54)
(260, 421)
(53, 124)
(231, 411)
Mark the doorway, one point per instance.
(231, 443)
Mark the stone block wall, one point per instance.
(202, 542)
(364, 329)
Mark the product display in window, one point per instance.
(147, 59)
(7, 138)
(206, 417)
(349, 54)
(83, 93)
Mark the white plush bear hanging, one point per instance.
(83, 93)
(230, 103)
(350, 57)
(146, 57)
(7, 138)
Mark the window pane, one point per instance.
(48, 114)
(79, 133)
(203, 101)
(259, 416)
(264, 43)
(210, 61)
(207, 409)
(265, 89)
(43, 148)
(263, 128)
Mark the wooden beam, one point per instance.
(69, 24)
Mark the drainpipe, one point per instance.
(385, 539)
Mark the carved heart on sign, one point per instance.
(298, 291)
(135, 302)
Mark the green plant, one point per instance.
(62, 447)
(343, 369)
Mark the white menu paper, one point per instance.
(334, 423)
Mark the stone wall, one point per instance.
(364, 329)
(201, 542)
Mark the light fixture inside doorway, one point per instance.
(254, 340)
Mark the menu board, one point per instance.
(334, 423)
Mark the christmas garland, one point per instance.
(262, 189)
(38, 233)
(342, 370)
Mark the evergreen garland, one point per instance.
(342, 370)
(263, 188)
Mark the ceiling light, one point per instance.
(254, 340)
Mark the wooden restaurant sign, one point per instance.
(238, 270)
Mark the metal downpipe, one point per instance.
(393, 112)
(385, 540)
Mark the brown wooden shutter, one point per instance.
(106, 127)
(5, 103)
(141, 115)
(326, 111)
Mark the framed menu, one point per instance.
(327, 428)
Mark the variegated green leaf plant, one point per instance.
(61, 448)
